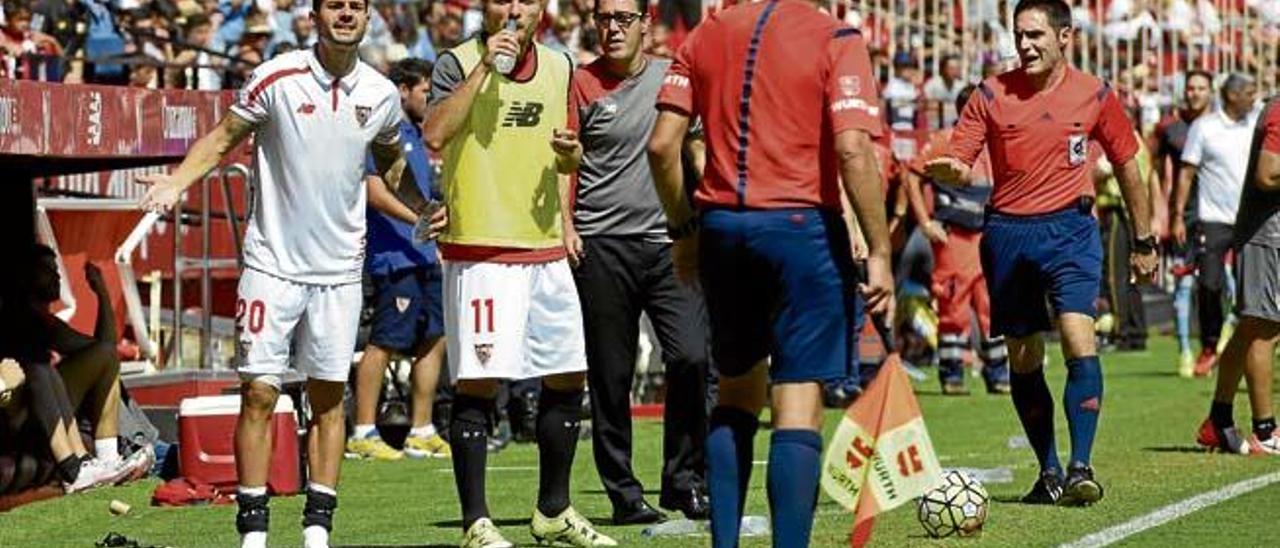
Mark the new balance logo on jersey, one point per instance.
(306, 108)
(523, 115)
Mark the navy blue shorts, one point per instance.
(407, 309)
(780, 284)
(1028, 259)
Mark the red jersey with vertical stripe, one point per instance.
(773, 82)
(1038, 140)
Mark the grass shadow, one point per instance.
(1176, 449)
(500, 522)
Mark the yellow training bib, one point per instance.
(500, 179)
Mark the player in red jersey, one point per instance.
(789, 105)
(1041, 239)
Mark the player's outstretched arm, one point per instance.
(167, 188)
(860, 176)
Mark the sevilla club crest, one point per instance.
(362, 114)
(402, 304)
(483, 353)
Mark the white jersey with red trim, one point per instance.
(311, 136)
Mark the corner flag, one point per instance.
(881, 455)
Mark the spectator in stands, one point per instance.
(281, 21)
(235, 14)
(203, 70)
(439, 30)
(18, 40)
(304, 29)
(1216, 156)
(942, 90)
(147, 41)
(902, 94)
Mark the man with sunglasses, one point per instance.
(616, 236)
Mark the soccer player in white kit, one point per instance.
(315, 113)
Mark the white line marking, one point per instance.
(1173, 511)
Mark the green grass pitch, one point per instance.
(1145, 456)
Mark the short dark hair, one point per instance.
(1056, 11)
(196, 20)
(642, 6)
(410, 72)
(1197, 73)
(315, 4)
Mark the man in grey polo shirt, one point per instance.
(616, 235)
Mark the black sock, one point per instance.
(559, 414)
(254, 516)
(1034, 403)
(1264, 428)
(69, 469)
(1221, 415)
(469, 438)
(319, 510)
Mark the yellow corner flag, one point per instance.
(881, 456)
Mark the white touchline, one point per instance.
(1173, 511)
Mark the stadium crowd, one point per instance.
(1191, 75)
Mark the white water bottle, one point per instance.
(503, 62)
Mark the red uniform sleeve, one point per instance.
(852, 98)
(677, 86)
(1114, 131)
(1271, 139)
(969, 137)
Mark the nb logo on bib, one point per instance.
(523, 115)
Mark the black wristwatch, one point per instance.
(685, 230)
(1145, 245)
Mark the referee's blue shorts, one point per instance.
(1028, 259)
(407, 308)
(781, 284)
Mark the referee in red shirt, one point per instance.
(789, 106)
(1041, 239)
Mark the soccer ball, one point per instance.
(958, 506)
